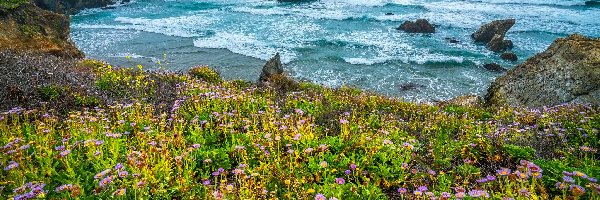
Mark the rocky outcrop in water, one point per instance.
(29, 28)
(494, 67)
(74, 6)
(272, 68)
(567, 72)
(509, 56)
(419, 26)
(493, 35)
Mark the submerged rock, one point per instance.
(494, 67)
(567, 72)
(486, 33)
(419, 26)
(509, 56)
(30, 28)
(272, 68)
(452, 40)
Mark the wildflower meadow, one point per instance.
(235, 140)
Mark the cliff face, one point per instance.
(73, 6)
(29, 28)
(567, 72)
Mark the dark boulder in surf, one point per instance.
(494, 67)
(499, 44)
(509, 56)
(419, 26)
(486, 33)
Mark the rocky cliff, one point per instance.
(567, 72)
(29, 28)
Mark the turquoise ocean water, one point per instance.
(331, 42)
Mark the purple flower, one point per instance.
(524, 192)
(483, 180)
(577, 190)
(140, 184)
(216, 173)
(352, 166)
(561, 185)
(221, 170)
(119, 166)
(460, 195)
(446, 195)
(593, 180)
(63, 187)
(402, 190)
(422, 188)
(104, 182)
(579, 174)
(123, 174)
(59, 148)
(65, 153)
(320, 197)
(503, 171)
(206, 182)
(340, 181)
(568, 179)
(478, 193)
(490, 178)
(567, 173)
(11, 165)
(347, 172)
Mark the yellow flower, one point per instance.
(310, 191)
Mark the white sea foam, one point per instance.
(183, 26)
(243, 44)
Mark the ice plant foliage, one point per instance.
(233, 140)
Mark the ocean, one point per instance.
(330, 42)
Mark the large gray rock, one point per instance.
(567, 72)
(419, 26)
(488, 31)
(272, 68)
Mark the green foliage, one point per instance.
(519, 152)
(205, 73)
(86, 101)
(50, 92)
(12, 4)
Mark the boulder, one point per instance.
(419, 26)
(488, 31)
(498, 44)
(509, 56)
(494, 67)
(567, 72)
(272, 68)
(32, 29)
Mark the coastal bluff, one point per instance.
(32, 29)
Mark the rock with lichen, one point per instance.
(567, 72)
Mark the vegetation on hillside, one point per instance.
(233, 140)
(12, 4)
